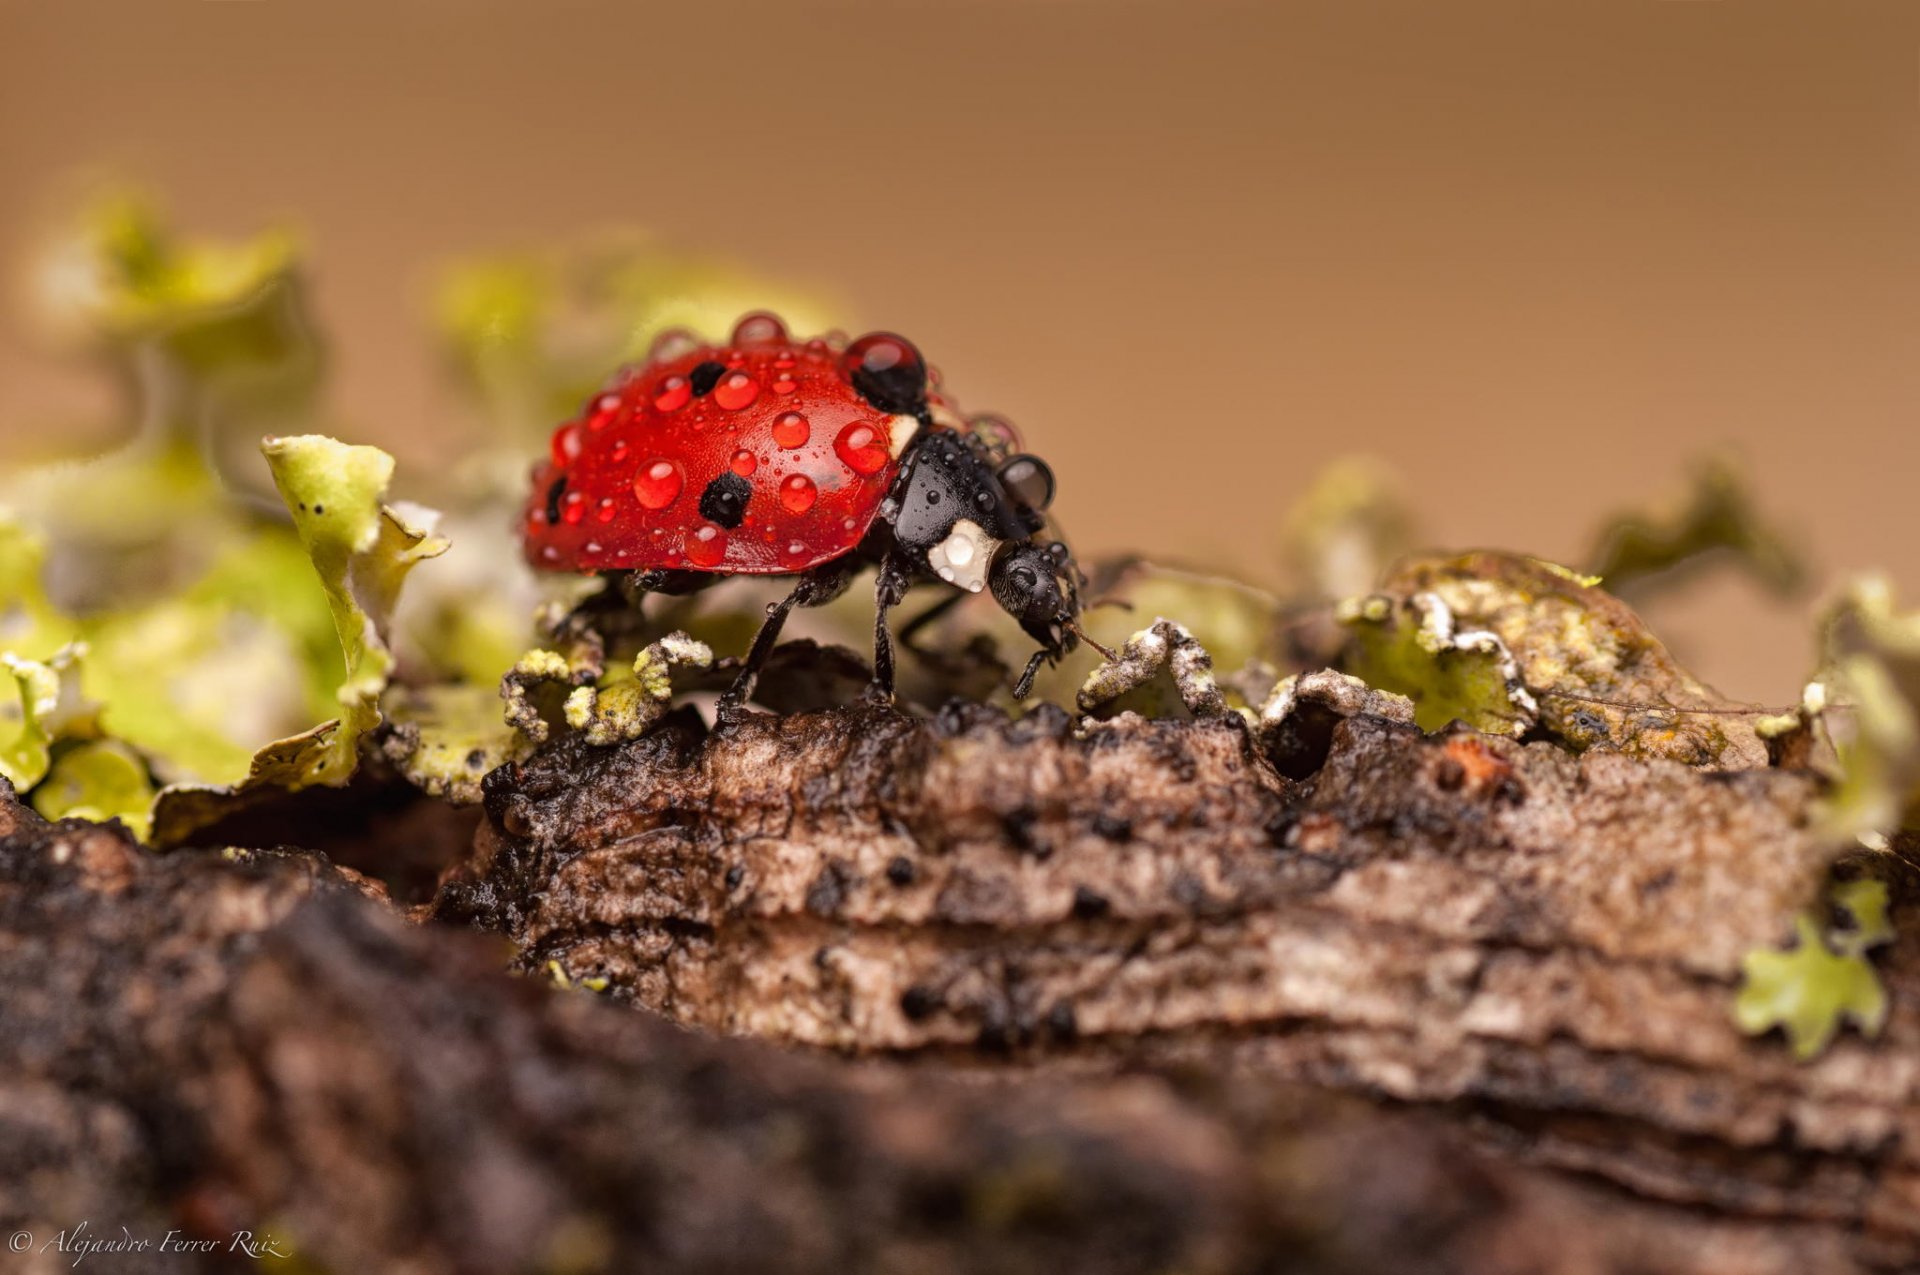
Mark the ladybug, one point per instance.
(773, 456)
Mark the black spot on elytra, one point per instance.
(725, 500)
(554, 493)
(704, 377)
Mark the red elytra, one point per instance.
(778, 415)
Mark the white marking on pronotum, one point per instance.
(963, 557)
(900, 431)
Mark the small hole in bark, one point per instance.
(1301, 743)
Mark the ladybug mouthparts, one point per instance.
(770, 455)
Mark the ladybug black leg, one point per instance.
(889, 588)
(814, 589)
(912, 627)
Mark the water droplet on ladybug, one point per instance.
(606, 510)
(622, 450)
(1028, 480)
(735, 391)
(658, 484)
(784, 384)
(798, 493)
(567, 444)
(997, 436)
(549, 553)
(573, 509)
(674, 343)
(674, 394)
(863, 449)
(707, 546)
(796, 552)
(784, 362)
(605, 410)
(743, 463)
(593, 546)
(887, 370)
(759, 328)
(791, 430)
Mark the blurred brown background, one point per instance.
(1536, 255)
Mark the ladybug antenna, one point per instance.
(1081, 633)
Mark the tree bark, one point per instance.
(1128, 996)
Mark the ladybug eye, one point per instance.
(888, 371)
(1028, 480)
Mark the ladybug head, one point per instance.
(1037, 584)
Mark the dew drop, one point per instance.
(735, 391)
(791, 430)
(606, 510)
(887, 370)
(759, 328)
(622, 450)
(798, 493)
(707, 546)
(593, 546)
(549, 553)
(658, 484)
(796, 552)
(567, 443)
(784, 384)
(574, 508)
(863, 448)
(743, 463)
(672, 344)
(605, 410)
(674, 394)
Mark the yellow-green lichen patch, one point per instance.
(445, 739)
(626, 706)
(1824, 980)
(1716, 516)
(362, 550)
(1344, 532)
(1870, 702)
(98, 780)
(30, 714)
(1413, 647)
(1583, 667)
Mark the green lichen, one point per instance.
(1412, 647)
(100, 780)
(1716, 516)
(1507, 643)
(1824, 981)
(626, 705)
(1870, 703)
(362, 550)
(1345, 531)
(445, 739)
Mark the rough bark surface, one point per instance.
(1539, 949)
(1133, 996)
(204, 1043)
